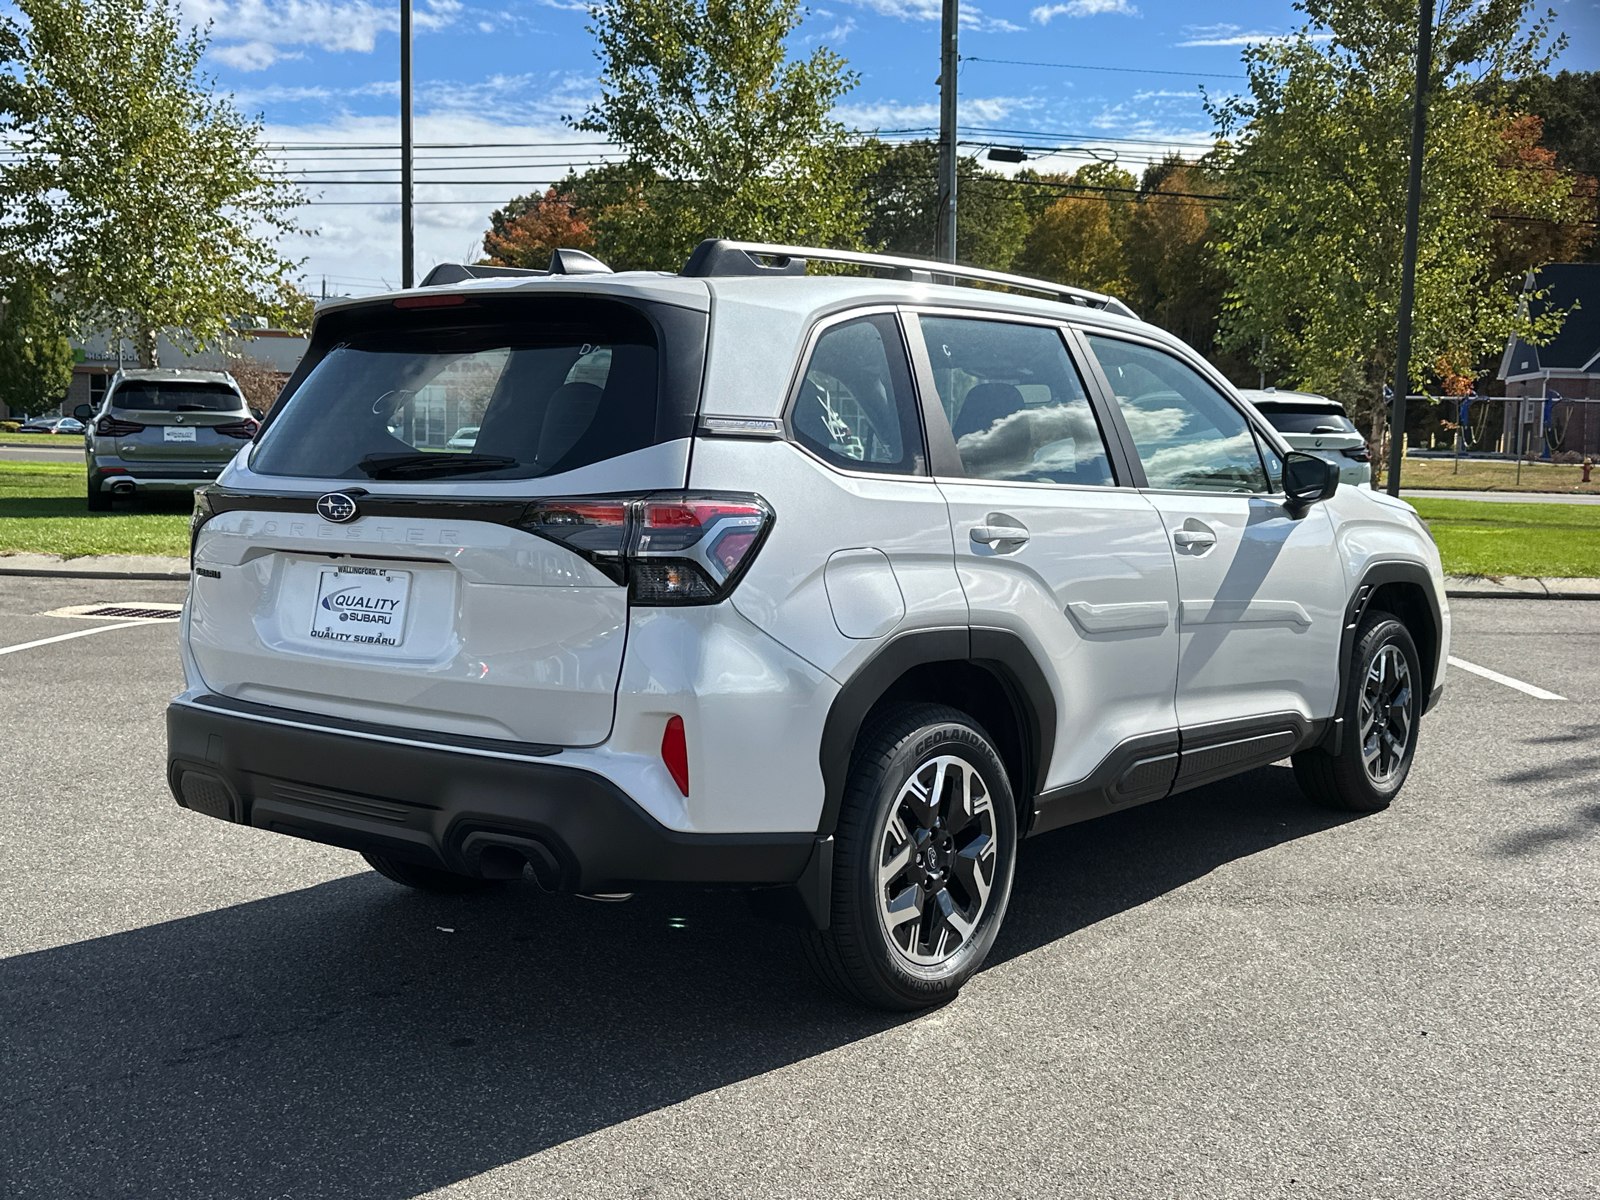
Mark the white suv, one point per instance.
(829, 588)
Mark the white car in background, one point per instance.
(1319, 426)
(465, 438)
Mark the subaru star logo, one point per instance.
(337, 507)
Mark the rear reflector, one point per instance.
(675, 753)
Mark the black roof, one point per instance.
(1573, 286)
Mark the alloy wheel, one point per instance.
(937, 861)
(1385, 715)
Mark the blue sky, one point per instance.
(501, 76)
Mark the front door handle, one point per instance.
(1194, 539)
(988, 535)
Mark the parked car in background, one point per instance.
(51, 425)
(466, 437)
(1319, 426)
(161, 430)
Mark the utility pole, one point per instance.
(408, 250)
(1408, 261)
(944, 241)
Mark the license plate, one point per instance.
(178, 433)
(361, 606)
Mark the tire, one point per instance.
(1382, 715)
(97, 500)
(945, 899)
(425, 879)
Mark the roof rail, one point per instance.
(562, 262)
(720, 257)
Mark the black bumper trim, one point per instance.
(421, 803)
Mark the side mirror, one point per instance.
(83, 412)
(1307, 478)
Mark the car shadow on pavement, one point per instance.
(357, 1040)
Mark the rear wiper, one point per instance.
(193, 408)
(422, 466)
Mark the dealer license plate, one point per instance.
(177, 433)
(361, 606)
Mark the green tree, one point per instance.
(726, 137)
(1317, 176)
(148, 199)
(902, 199)
(35, 357)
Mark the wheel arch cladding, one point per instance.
(1406, 590)
(991, 675)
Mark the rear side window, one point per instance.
(856, 408)
(152, 395)
(1015, 402)
(458, 392)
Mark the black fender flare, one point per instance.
(1374, 577)
(1000, 651)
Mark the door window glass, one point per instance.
(856, 407)
(1015, 402)
(1188, 436)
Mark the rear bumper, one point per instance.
(445, 808)
(173, 475)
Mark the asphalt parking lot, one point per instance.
(1226, 994)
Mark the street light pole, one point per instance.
(1408, 261)
(408, 253)
(944, 242)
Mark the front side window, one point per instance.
(1015, 402)
(856, 408)
(473, 395)
(1188, 435)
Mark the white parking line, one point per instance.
(77, 633)
(1536, 692)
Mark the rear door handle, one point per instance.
(988, 535)
(1194, 538)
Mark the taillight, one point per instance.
(675, 753)
(111, 427)
(1360, 453)
(673, 548)
(243, 430)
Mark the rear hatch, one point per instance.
(1320, 428)
(176, 424)
(422, 595)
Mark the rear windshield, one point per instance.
(1308, 420)
(464, 392)
(148, 395)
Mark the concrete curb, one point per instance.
(1520, 587)
(97, 566)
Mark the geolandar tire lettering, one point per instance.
(923, 861)
(1382, 711)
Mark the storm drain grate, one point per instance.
(143, 614)
(148, 611)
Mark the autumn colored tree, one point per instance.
(1079, 238)
(1173, 274)
(526, 231)
(1525, 237)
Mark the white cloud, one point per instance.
(1233, 35)
(932, 10)
(252, 32)
(891, 115)
(1083, 8)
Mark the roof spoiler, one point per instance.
(562, 262)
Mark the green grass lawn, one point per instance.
(1490, 475)
(42, 512)
(1485, 538)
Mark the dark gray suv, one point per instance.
(162, 430)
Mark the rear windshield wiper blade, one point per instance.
(420, 466)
